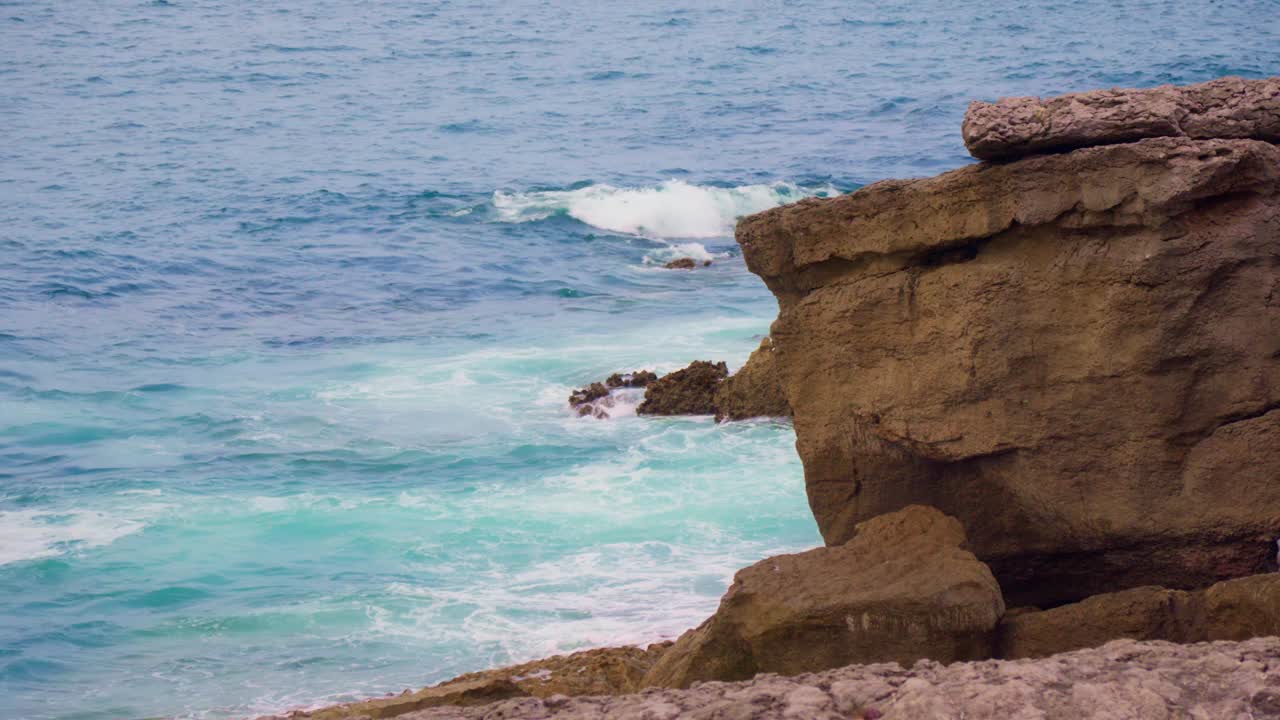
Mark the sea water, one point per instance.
(292, 295)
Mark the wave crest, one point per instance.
(673, 209)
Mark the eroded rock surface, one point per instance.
(1224, 108)
(902, 589)
(1076, 355)
(606, 671)
(690, 391)
(1231, 610)
(1124, 680)
(755, 390)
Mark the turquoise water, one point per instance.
(292, 294)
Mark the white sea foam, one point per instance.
(35, 534)
(673, 209)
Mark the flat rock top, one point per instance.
(1229, 107)
(1123, 679)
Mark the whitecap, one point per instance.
(673, 209)
(35, 534)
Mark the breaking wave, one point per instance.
(673, 209)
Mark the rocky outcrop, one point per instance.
(1224, 108)
(1076, 355)
(702, 388)
(755, 390)
(606, 671)
(635, 379)
(685, 263)
(1232, 610)
(690, 391)
(1125, 680)
(597, 399)
(456, 694)
(902, 589)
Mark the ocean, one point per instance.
(292, 295)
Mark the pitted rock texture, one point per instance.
(1232, 610)
(690, 391)
(1124, 680)
(755, 390)
(902, 589)
(1076, 355)
(1224, 108)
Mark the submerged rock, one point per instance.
(590, 393)
(597, 399)
(690, 391)
(1224, 108)
(755, 390)
(1232, 610)
(1076, 355)
(681, 264)
(902, 589)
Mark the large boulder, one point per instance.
(755, 390)
(1223, 108)
(690, 391)
(1232, 610)
(903, 588)
(1076, 355)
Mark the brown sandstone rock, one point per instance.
(1232, 610)
(902, 589)
(605, 671)
(455, 693)
(1076, 355)
(1224, 108)
(1146, 613)
(755, 390)
(690, 391)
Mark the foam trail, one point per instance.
(673, 209)
(31, 534)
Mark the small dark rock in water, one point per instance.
(637, 379)
(690, 391)
(592, 392)
(596, 411)
(682, 264)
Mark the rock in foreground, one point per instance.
(1224, 108)
(1233, 610)
(605, 671)
(1124, 680)
(902, 589)
(1076, 355)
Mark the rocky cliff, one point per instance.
(1075, 354)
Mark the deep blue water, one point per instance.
(292, 293)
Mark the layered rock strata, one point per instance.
(1076, 355)
(902, 589)
(1232, 610)
(1225, 108)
